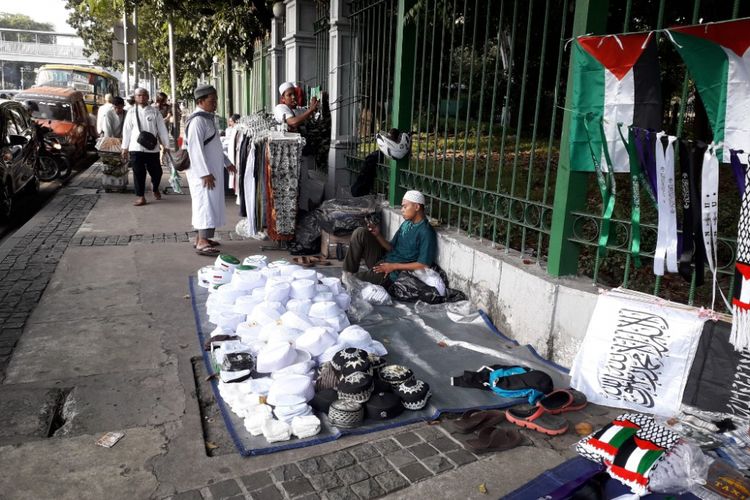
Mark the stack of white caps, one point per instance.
(279, 333)
(224, 348)
(325, 310)
(217, 309)
(276, 430)
(277, 355)
(270, 272)
(356, 336)
(321, 288)
(276, 306)
(220, 331)
(343, 300)
(305, 426)
(248, 280)
(218, 276)
(204, 276)
(329, 353)
(228, 262)
(249, 333)
(301, 307)
(305, 274)
(277, 292)
(254, 420)
(273, 280)
(316, 340)
(290, 269)
(228, 294)
(295, 320)
(278, 264)
(334, 284)
(323, 297)
(306, 368)
(229, 320)
(263, 314)
(339, 322)
(291, 390)
(259, 261)
(246, 304)
(303, 289)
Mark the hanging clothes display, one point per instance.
(716, 58)
(666, 243)
(284, 153)
(740, 335)
(615, 80)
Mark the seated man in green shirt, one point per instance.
(411, 248)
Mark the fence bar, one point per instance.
(570, 188)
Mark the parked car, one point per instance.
(18, 155)
(63, 110)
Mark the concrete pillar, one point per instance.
(341, 55)
(299, 41)
(276, 53)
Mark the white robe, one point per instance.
(208, 204)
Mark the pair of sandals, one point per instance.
(311, 260)
(544, 415)
(210, 250)
(489, 438)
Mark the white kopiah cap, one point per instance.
(285, 86)
(414, 197)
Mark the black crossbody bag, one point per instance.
(145, 139)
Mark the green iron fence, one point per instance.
(577, 202)
(483, 92)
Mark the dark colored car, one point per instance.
(62, 110)
(18, 154)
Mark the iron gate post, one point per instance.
(403, 83)
(571, 187)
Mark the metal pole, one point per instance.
(173, 79)
(136, 76)
(125, 47)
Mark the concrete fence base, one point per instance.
(525, 303)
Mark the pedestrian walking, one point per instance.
(142, 132)
(206, 172)
(114, 119)
(102, 112)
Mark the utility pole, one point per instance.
(125, 45)
(173, 79)
(135, 43)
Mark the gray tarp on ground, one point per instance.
(419, 341)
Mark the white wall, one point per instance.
(524, 302)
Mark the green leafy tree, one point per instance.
(23, 22)
(202, 29)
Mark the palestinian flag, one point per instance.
(615, 80)
(718, 60)
(634, 462)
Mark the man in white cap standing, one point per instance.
(206, 172)
(413, 247)
(294, 116)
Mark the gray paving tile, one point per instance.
(437, 464)
(225, 489)
(339, 459)
(343, 493)
(315, 465)
(391, 481)
(367, 489)
(256, 481)
(364, 452)
(188, 495)
(461, 457)
(286, 472)
(400, 458)
(267, 493)
(414, 472)
(407, 438)
(352, 474)
(386, 446)
(325, 481)
(376, 466)
(423, 450)
(445, 444)
(298, 487)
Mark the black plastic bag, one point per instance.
(409, 288)
(342, 216)
(306, 236)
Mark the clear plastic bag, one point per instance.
(342, 216)
(684, 467)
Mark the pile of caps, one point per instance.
(363, 385)
(276, 324)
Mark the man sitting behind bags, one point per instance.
(412, 248)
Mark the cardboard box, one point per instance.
(332, 246)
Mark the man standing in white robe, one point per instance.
(206, 172)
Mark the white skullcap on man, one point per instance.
(284, 87)
(414, 197)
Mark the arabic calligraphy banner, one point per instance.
(637, 355)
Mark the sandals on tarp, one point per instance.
(473, 420)
(537, 419)
(495, 439)
(210, 242)
(563, 400)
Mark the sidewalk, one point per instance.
(97, 335)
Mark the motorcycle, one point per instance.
(51, 162)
